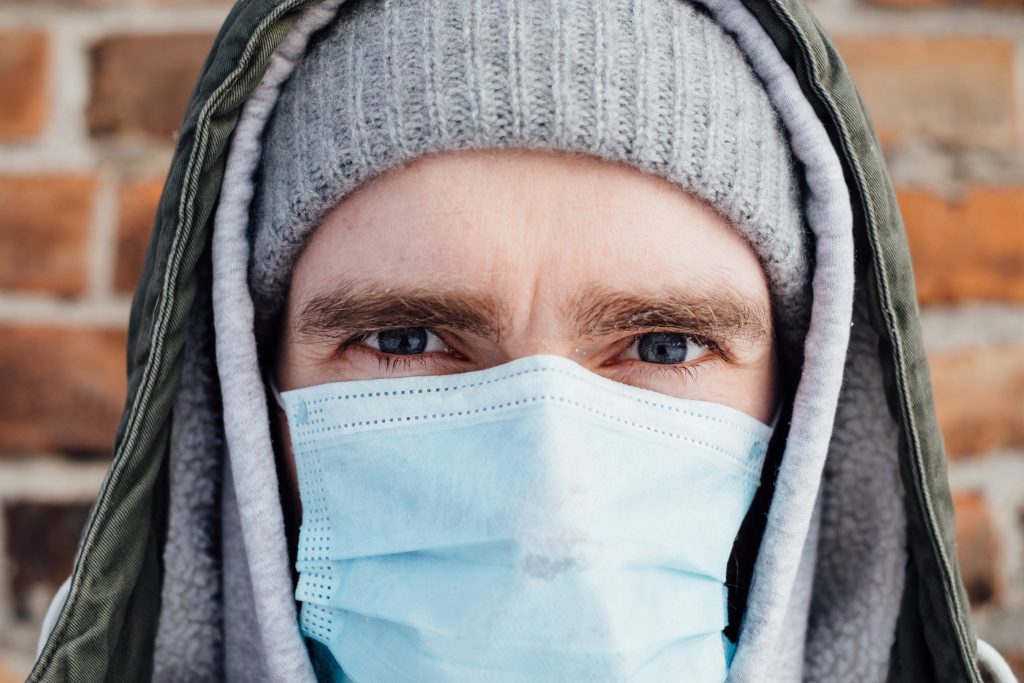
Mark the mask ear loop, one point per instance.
(269, 378)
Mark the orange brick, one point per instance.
(24, 63)
(67, 3)
(968, 249)
(124, 3)
(8, 676)
(44, 230)
(909, 3)
(979, 398)
(138, 202)
(64, 388)
(120, 3)
(931, 4)
(977, 548)
(141, 84)
(956, 90)
(180, 3)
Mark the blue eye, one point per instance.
(405, 341)
(665, 348)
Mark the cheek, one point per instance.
(750, 387)
(754, 389)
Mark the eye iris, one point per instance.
(403, 340)
(662, 347)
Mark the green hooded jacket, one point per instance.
(106, 628)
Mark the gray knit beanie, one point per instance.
(656, 84)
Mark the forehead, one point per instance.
(515, 221)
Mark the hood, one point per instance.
(182, 570)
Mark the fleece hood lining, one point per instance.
(828, 213)
(780, 598)
(253, 478)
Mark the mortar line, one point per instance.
(49, 478)
(96, 22)
(110, 313)
(951, 328)
(868, 22)
(102, 237)
(69, 88)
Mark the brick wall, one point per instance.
(944, 82)
(94, 89)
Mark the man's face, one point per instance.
(465, 260)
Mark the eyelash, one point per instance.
(388, 361)
(688, 372)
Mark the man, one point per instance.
(457, 263)
(556, 302)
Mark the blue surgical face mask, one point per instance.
(533, 521)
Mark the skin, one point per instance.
(520, 234)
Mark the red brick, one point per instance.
(141, 84)
(1016, 662)
(91, 4)
(977, 548)
(64, 388)
(909, 3)
(66, 3)
(972, 248)
(44, 230)
(179, 3)
(41, 543)
(931, 4)
(24, 63)
(956, 90)
(137, 202)
(979, 398)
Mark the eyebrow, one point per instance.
(353, 307)
(714, 311)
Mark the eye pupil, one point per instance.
(403, 340)
(662, 347)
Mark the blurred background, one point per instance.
(91, 92)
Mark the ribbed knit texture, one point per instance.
(652, 83)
